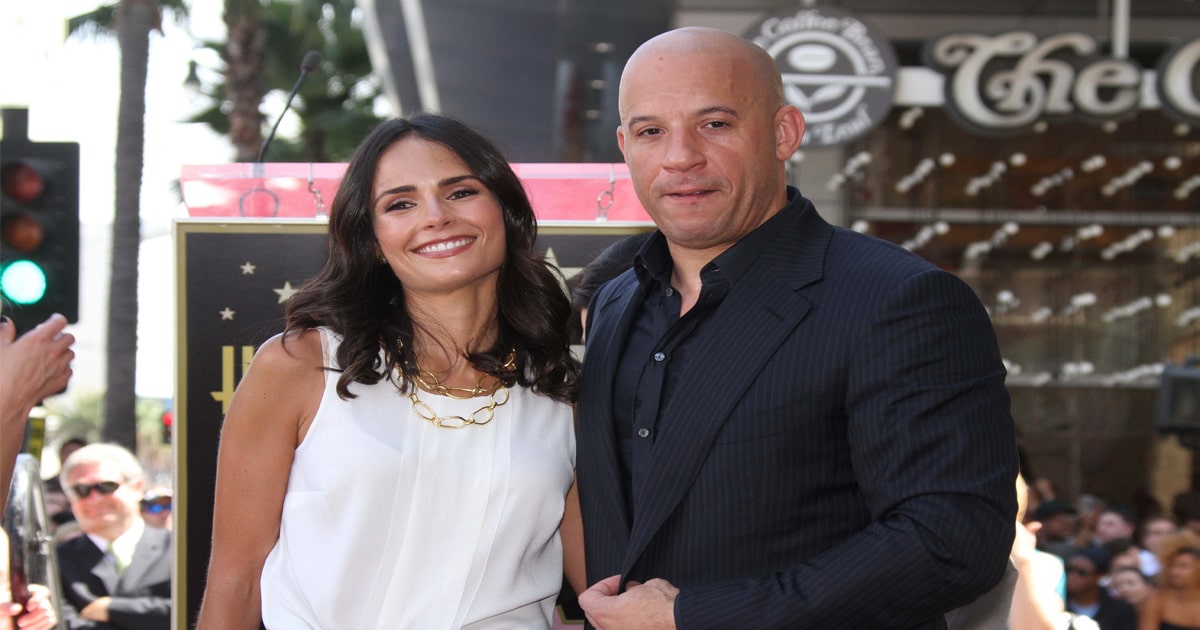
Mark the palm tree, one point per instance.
(244, 54)
(335, 106)
(133, 21)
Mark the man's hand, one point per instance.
(37, 614)
(97, 610)
(649, 606)
(37, 364)
(32, 367)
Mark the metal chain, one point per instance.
(458, 422)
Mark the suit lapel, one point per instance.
(147, 552)
(619, 307)
(99, 564)
(765, 306)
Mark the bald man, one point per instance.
(782, 423)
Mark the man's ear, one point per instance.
(621, 138)
(789, 131)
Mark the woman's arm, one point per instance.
(572, 540)
(267, 418)
(1036, 604)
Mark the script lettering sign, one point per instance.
(1006, 83)
(1179, 82)
(1003, 84)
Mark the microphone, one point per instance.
(311, 60)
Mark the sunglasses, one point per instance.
(106, 488)
(156, 507)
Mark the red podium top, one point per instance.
(559, 192)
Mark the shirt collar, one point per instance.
(653, 261)
(125, 543)
(737, 260)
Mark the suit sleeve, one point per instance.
(70, 616)
(76, 590)
(124, 613)
(140, 613)
(933, 446)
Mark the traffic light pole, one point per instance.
(16, 124)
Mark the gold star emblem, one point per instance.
(286, 292)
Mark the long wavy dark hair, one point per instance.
(363, 300)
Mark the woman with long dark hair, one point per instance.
(403, 454)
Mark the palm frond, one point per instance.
(93, 23)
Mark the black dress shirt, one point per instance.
(661, 343)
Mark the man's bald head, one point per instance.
(701, 42)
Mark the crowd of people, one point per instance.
(778, 423)
(1124, 570)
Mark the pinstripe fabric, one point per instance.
(843, 458)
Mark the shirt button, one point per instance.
(658, 356)
(643, 432)
(670, 291)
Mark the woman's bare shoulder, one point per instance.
(285, 380)
(292, 349)
(291, 358)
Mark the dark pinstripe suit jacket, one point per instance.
(844, 457)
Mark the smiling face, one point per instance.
(705, 133)
(438, 226)
(104, 515)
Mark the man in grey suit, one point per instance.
(782, 424)
(118, 574)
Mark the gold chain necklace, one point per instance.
(482, 415)
(459, 393)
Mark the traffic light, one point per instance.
(39, 224)
(168, 424)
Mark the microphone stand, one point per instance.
(291, 95)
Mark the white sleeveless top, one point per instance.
(391, 522)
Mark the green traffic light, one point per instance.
(23, 282)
